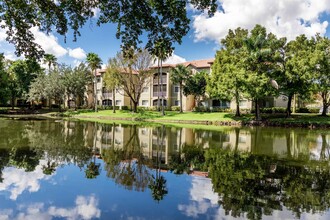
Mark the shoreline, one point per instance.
(217, 123)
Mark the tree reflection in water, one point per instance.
(295, 175)
(257, 185)
(157, 184)
(127, 165)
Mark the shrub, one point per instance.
(124, 107)
(303, 110)
(175, 108)
(201, 109)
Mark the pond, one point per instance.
(54, 169)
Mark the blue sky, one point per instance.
(288, 18)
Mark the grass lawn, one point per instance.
(154, 115)
(194, 117)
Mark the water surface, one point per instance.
(84, 170)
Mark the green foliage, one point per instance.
(166, 20)
(180, 75)
(75, 81)
(21, 75)
(50, 60)
(4, 80)
(226, 81)
(196, 86)
(321, 71)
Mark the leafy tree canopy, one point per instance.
(166, 20)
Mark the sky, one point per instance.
(285, 18)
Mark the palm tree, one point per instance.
(94, 62)
(178, 75)
(50, 60)
(161, 54)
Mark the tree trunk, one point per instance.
(288, 108)
(114, 100)
(158, 88)
(238, 113)
(135, 104)
(12, 102)
(236, 138)
(181, 111)
(161, 87)
(257, 110)
(325, 104)
(95, 96)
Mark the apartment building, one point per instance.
(152, 93)
(170, 92)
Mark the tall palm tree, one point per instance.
(94, 62)
(50, 60)
(178, 75)
(162, 54)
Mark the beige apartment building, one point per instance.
(171, 91)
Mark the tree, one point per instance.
(134, 18)
(50, 60)
(37, 91)
(196, 86)
(321, 70)
(111, 81)
(227, 77)
(132, 73)
(259, 65)
(21, 74)
(55, 86)
(157, 183)
(161, 51)
(76, 81)
(4, 80)
(178, 76)
(295, 68)
(94, 62)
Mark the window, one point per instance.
(145, 103)
(145, 89)
(243, 103)
(220, 103)
(176, 102)
(98, 79)
(118, 102)
(176, 89)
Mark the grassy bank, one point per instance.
(197, 119)
(216, 118)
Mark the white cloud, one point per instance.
(283, 18)
(16, 181)
(202, 198)
(85, 208)
(77, 53)
(173, 59)
(49, 43)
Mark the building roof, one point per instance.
(206, 63)
(99, 72)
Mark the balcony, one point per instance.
(155, 94)
(107, 95)
(164, 79)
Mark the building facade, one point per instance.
(170, 92)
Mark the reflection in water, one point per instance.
(253, 171)
(85, 208)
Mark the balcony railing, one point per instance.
(155, 80)
(155, 94)
(107, 95)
